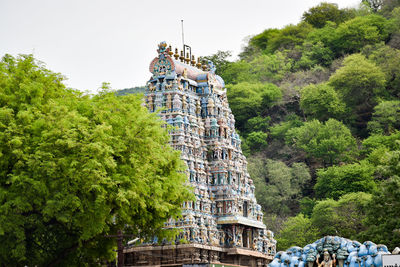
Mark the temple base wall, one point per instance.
(191, 255)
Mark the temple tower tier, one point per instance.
(224, 224)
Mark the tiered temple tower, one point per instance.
(224, 224)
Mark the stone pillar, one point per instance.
(249, 245)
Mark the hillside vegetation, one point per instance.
(317, 106)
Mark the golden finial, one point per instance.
(198, 65)
(193, 61)
(176, 55)
(170, 51)
(187, 58)
(181, 57)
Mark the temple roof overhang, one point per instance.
(240, 220)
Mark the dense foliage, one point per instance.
(75, 168)
(317, 106)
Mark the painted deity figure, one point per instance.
(177, 102)
(210, 106)
(221, 238)
(184, 103)
(163, 84)
(219, 207)
(169, 101)
(214, 237)
(203, 235)
(152, 87)
(198, 108)
(229, 204)
(168, 86)
(327, 262)
(180, 86)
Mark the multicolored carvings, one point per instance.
(332, 251)
(193, 99)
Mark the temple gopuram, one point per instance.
(224, 226)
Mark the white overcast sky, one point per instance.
(95, 41)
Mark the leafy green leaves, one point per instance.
(297, 231)
(248, 99)
(386, 117)
(360, 84)
(319, 15)
(330, 142)
(278, 186)
(336, 181)
(74, 168)
(321, 102)
(383, 213)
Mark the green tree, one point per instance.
(376, 147)
(263, 40)
(296, 231)
(74, 169)
(384, 209)
(321, 102)
(269, 68)
(257, 124)
(281, 185)
(387, 59)
(324, 217)
(318, 16)
(307, 205)
(389, 164)
(238, 72)
(315, 54)
(386, 118)
(247, 100)
(279, 130)
(325, 35)
(256, 167)
(331, 142)
(220, 60)
(289, 37)
(272, 40)
(344, 217)
(361, 84)
(352, 35)
(388, 6)
(256, 140)
(375, 5)
(336, 181)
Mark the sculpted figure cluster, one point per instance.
(332, 251)
(194, 101)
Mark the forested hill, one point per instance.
(317, 106)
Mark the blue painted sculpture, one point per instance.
(334, 251)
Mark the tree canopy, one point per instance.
(360, 83)
(247, 99)
(297, 231)
(331, 142)
(318, 16)
(74, 168)
(336, 181)
(321, 102)
(342, 217)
